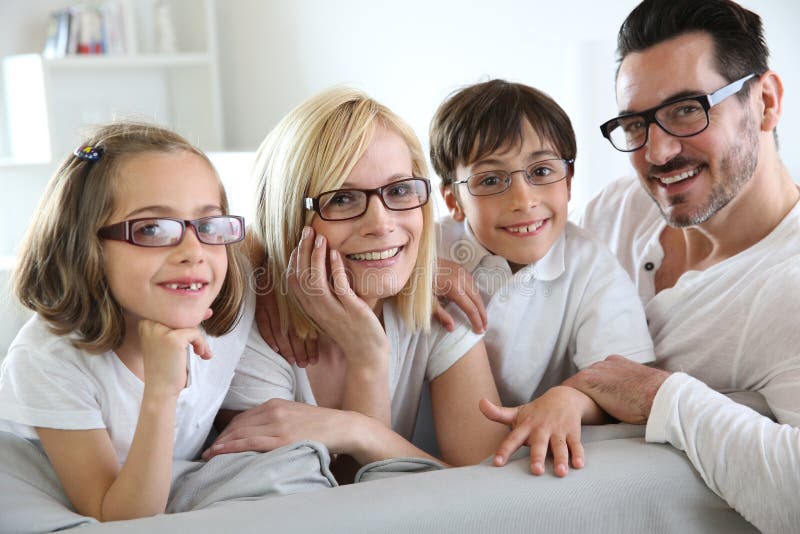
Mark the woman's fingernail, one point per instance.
(334, 255)
(318, 241)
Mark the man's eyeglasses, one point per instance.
(548, 171)
(168, 232)
(344, 204)
(683, 117)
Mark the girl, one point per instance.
(125, 258)
(342, 175)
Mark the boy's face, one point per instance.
(523, 222)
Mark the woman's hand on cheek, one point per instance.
(279, 422)
(164, 353)
(332, 304)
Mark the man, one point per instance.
(710, 234)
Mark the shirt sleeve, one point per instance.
(448, 347)
(47, 390)
(745, 458)
(611, 318)
(261, 375)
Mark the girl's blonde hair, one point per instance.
(312, 150)
(60, 271)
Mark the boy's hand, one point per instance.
(551, 421)
(455, 284)
(164, 353)
(290, 346)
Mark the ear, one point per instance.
(451, 201)
(569, 187)
(770, 100)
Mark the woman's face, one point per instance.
(380, 247)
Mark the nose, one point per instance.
(378, 219)
(190, 250)
(523, 195)
(661, 147)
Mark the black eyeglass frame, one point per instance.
(706, 101)
(568, 163)
(312, 203)
(121, 231)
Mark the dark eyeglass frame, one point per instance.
(568, 165)
(121, 231)
(706, 101)
(312, 203)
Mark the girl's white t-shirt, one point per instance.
(47, 382)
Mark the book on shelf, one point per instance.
(107, 28)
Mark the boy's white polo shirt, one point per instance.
(573, 307)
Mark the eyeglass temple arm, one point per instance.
(725, 92)
(117, 231)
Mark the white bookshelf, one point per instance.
(50, 102)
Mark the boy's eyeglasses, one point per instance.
(168, 232)
(684, 117)
(344, 204)
(548, 171)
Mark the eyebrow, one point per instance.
(166, 211)
(393, 178)
(672, 98)
(533, 155)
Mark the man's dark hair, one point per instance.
(480, 119)
(738, 34)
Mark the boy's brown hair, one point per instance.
(481, 118)
(60, 271)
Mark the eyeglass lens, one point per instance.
(217, 230)
(683, 118)
(349, 203)
(538, 173)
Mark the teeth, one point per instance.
(526, 229)
(194, 286)
(372, 256)
(679, 177)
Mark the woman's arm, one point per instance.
(465, 436)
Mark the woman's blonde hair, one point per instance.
(312, 150)
(60, 271)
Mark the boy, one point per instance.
(556, 299)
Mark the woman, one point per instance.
(341, 176)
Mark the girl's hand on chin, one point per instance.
(164, 352)
(331, 302)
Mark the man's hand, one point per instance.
(623, 388)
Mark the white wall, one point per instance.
(411, 54)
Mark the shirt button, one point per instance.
(649, 266)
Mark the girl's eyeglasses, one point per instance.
(168, 232)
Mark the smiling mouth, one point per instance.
(376, 255)
(194, 286)
(526, 229)
(669, 180)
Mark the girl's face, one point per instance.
(393, 234)
(171, 285)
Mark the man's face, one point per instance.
(690, 178)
